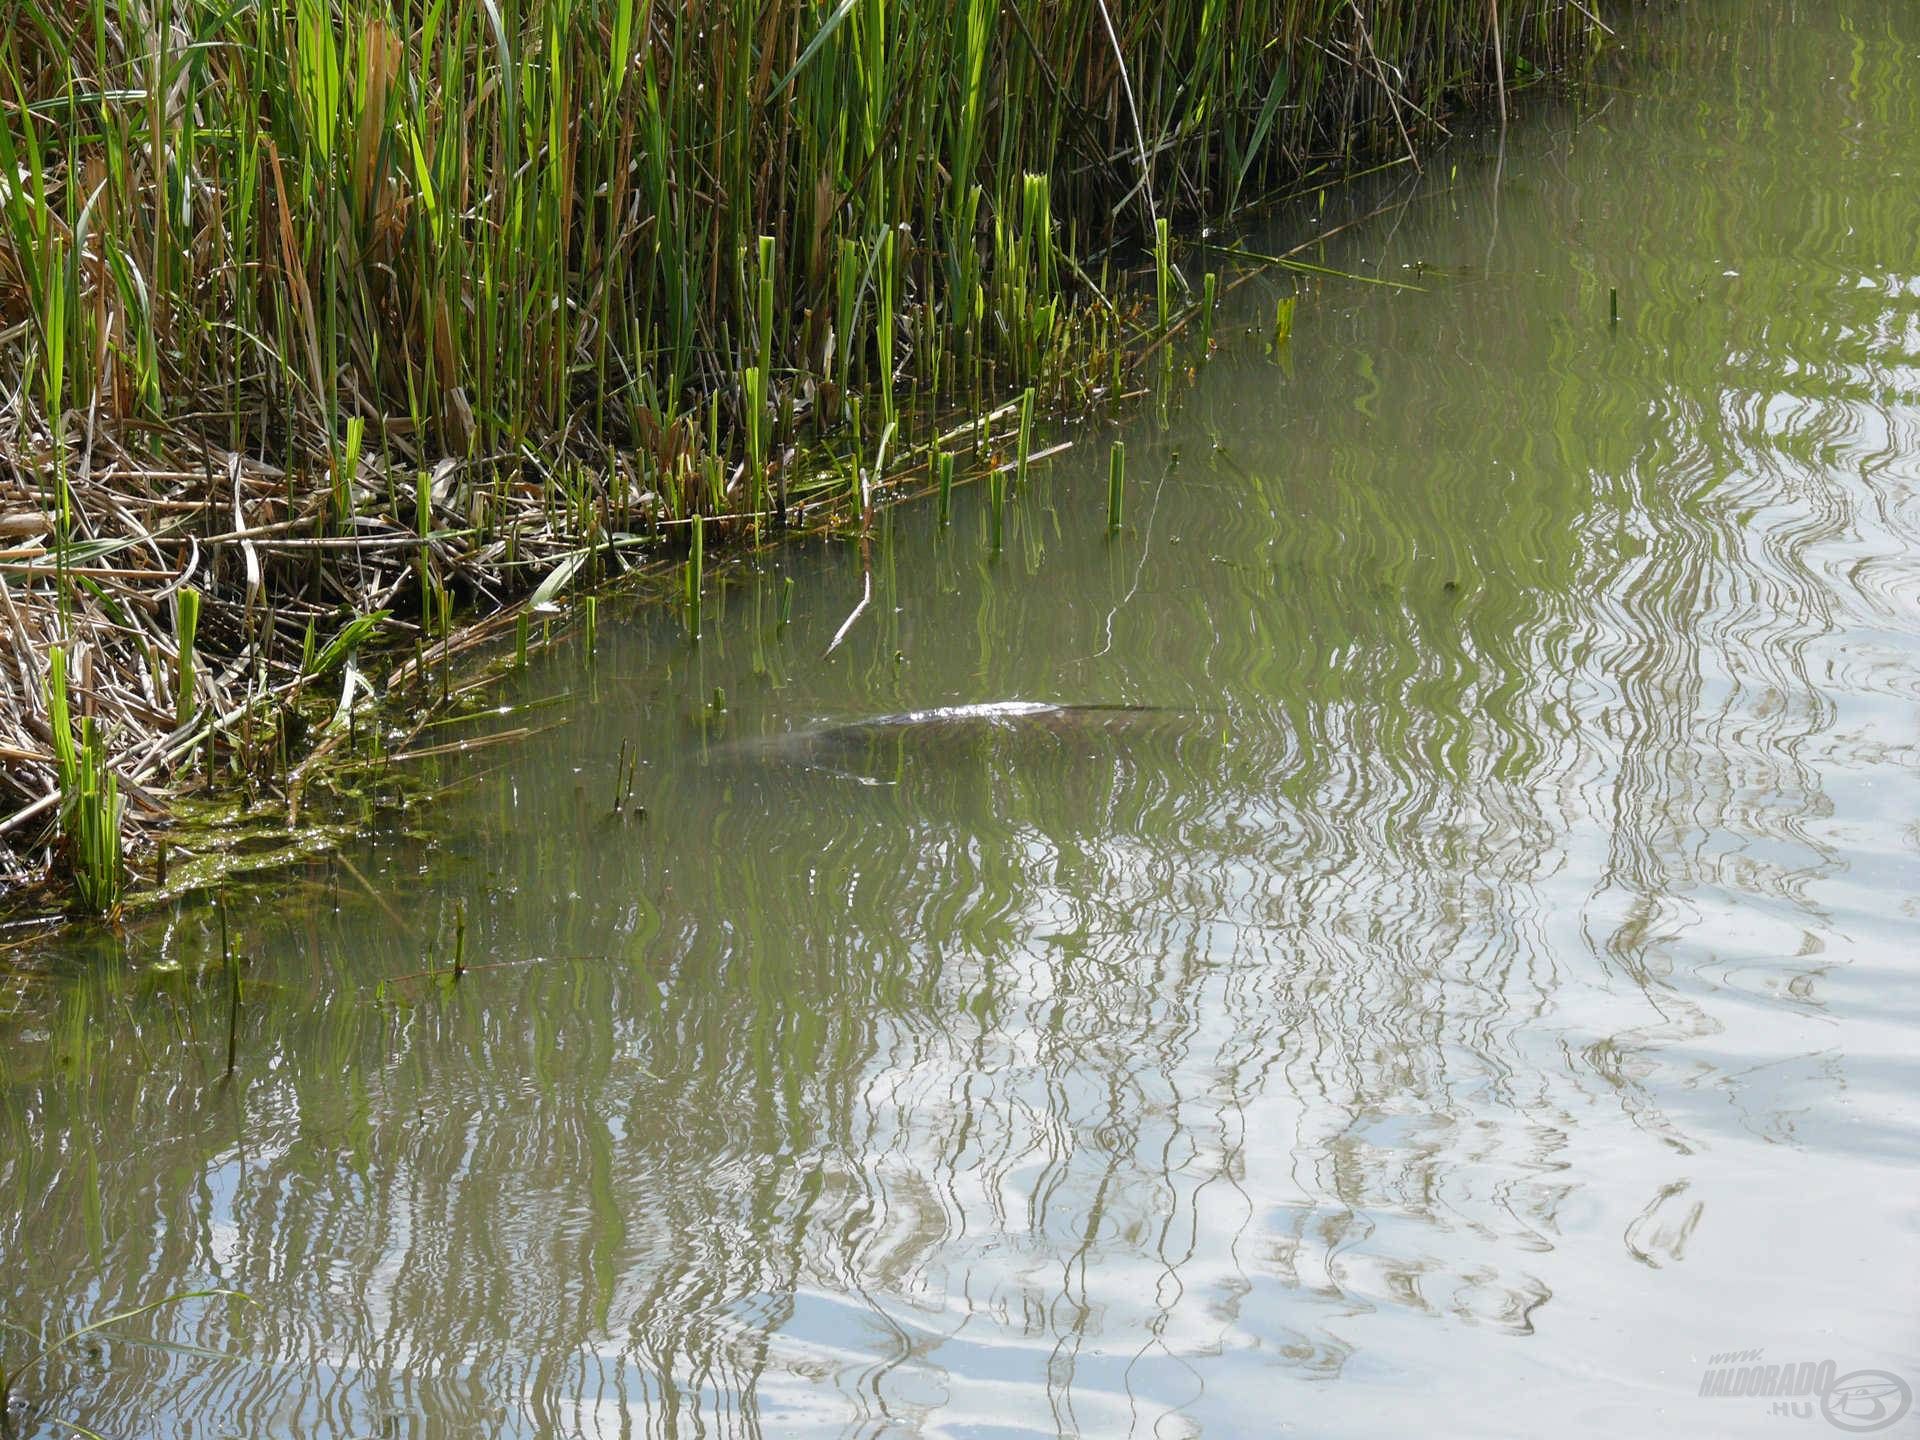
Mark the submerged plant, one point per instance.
(10, 1375)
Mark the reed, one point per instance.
(90, 804)
(1282, 322)
(588, 269)
(1163, 272)
(186, 631)
(694, 576)
(757, 398)
(1116, 485)
(1025, 452)
(502, 221)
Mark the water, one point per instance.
(1484, 995)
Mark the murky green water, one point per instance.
(1487, 994)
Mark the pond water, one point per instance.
(1479, 995)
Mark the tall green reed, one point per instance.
(90, 803)
(496, 224)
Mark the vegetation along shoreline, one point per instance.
(339, 336)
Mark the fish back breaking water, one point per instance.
(1007, 732)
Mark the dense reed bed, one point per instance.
(325, 322)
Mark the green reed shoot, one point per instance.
(337, 651)
(346, 467)
(765, 309)
(943, 476)
(1282, 322)
(884, 318)
(759, 387)
(90, 804)
(1162, 272)
(423, 527)
(444, 599)
(696, 561)
(753, 385)
(1116, 484)
(186, 626)
(1026, 439)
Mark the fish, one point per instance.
(860, 747)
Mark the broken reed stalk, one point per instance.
(696, 563)
(943, 477)
(1162, 273)
(1026, 440)
(186, 631)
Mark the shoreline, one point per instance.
(214, 598)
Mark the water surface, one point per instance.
(1488, 998)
